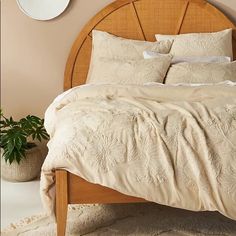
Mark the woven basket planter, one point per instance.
(28, 168)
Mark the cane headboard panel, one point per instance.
(142, 19)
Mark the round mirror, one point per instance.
(42, 9)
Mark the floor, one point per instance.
(19, 200)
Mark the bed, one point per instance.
(135, 19)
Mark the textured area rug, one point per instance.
(128, 219)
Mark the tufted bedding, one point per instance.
(174, 145)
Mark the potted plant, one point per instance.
(21, 159)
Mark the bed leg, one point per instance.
(61, 201)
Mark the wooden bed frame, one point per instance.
(71, 189)
(135, 19)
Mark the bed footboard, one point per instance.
(72, 189)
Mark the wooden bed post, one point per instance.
(61, 201)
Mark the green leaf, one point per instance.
(10, 146)
(33, 136)
(44, 135)
(38, 137)
(12, 157)
(14, 136)
(19, 142)
(19, 155)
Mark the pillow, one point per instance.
(151, 54)
(201, 44)
(201, 73)
(109, 46)
(121, 71)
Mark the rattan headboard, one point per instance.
(142, 19)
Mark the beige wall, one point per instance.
(34, 53)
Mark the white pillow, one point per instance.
(109, 46)
(118, 71)
(197, 59)
(201, 44)
(201, 73)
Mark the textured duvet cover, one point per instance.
(174, 145)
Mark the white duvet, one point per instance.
(174, 145)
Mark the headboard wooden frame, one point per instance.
(142, 19)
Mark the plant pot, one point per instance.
(28, 168)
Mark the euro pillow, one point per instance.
(105, 45)
(197, 59)
(201, 73)
(201, 44)
(122, 71)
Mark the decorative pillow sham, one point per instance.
(201, 44)
(197, 59)
(109, 46)
(201, 73)
(118, 71)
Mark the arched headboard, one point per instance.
(142, 19)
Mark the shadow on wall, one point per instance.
(228, 7)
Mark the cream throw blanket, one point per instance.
(174, 145)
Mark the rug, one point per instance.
(127, 219)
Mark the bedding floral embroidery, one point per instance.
(174, 145)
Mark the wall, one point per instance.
(34, 53)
